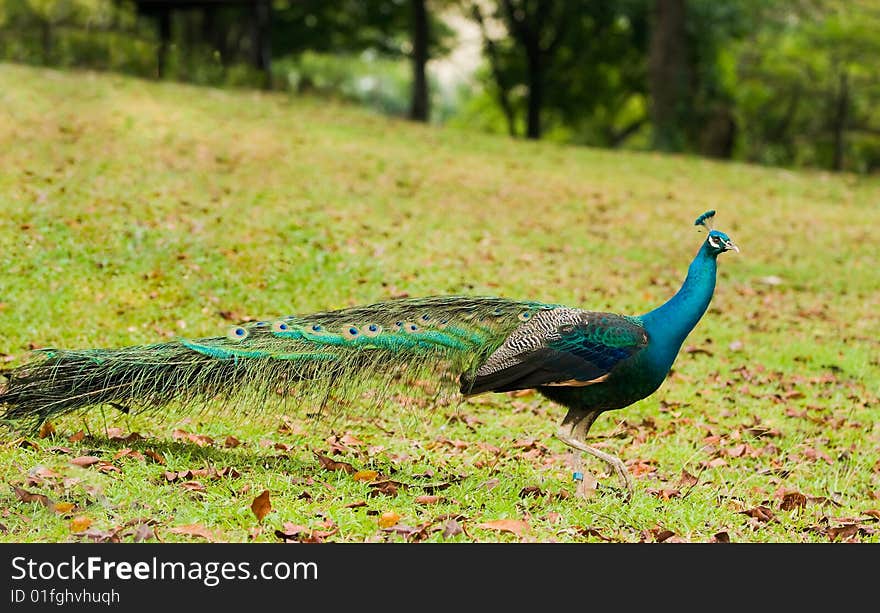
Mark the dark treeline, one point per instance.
(785, 82)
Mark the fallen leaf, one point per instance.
(514, 526)
(143, 532)
(793, 500)
(721, 537)
(842, 532)
(427, 499)
(126, 452)
(193, 486)
(331, 464)
(231, 442)
(761, 513)
(76, 436)
(46, 429)
(26, 496)
(290, 531)
(85, 460)
(531, 491)
(355, 505)
(592, 532)
(490, 484)
(64, 507)
(687, 479)
(872, 513)
(194, 530)
(365, 475)
(387, 488)
(662, 535)
(451, 528)
(80, 523)
(665, 493)
(261, 505)
(737, 451)
(156, 457)
(388, 519)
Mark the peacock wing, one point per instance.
(561, 346)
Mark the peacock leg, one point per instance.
(573, 432)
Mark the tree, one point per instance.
(574, 60)
(420, 105)
(809, 89)
(390, 28)
(668, 73)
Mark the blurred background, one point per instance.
(780, 82)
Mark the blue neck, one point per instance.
(669, 324)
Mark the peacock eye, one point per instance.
(237, 333)
(714, 242)
(280, 326)
(372, 330)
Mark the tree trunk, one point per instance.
(419, 107)
(46, 40)
(497, 74)
(262, 39)
(164, 18)
(536, 90)
(668, 73)
(841, 118)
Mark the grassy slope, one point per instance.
(132, 211)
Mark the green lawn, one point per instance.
(131, 212)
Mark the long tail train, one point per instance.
(303, 357)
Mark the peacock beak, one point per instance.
(730, 246)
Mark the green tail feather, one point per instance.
(303, 358)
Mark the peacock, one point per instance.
(588, 362)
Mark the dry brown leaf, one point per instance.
(127, 452)
(662, 535)
(231, 442)
(451, 528)
(428, 499)
(76, 436)
(842, 532)
(761, 513)
(872, 513)
(153, 455)
(591, 532)
(290, 531)
(386, 488)
(261, 505)
(47, 429)
(365, 475)
(793, 500)
(26, 496)
(143, 532)
(331, 464)
(514, 526)
(194, 530)
(532, 491)
(388, 519)
(85, 460)
(721, 537)
(80, 523)
(491, 483)
(193, 486)
(63, 507)
(687, 479)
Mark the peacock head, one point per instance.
(717, 241)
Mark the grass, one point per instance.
(136, 211)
